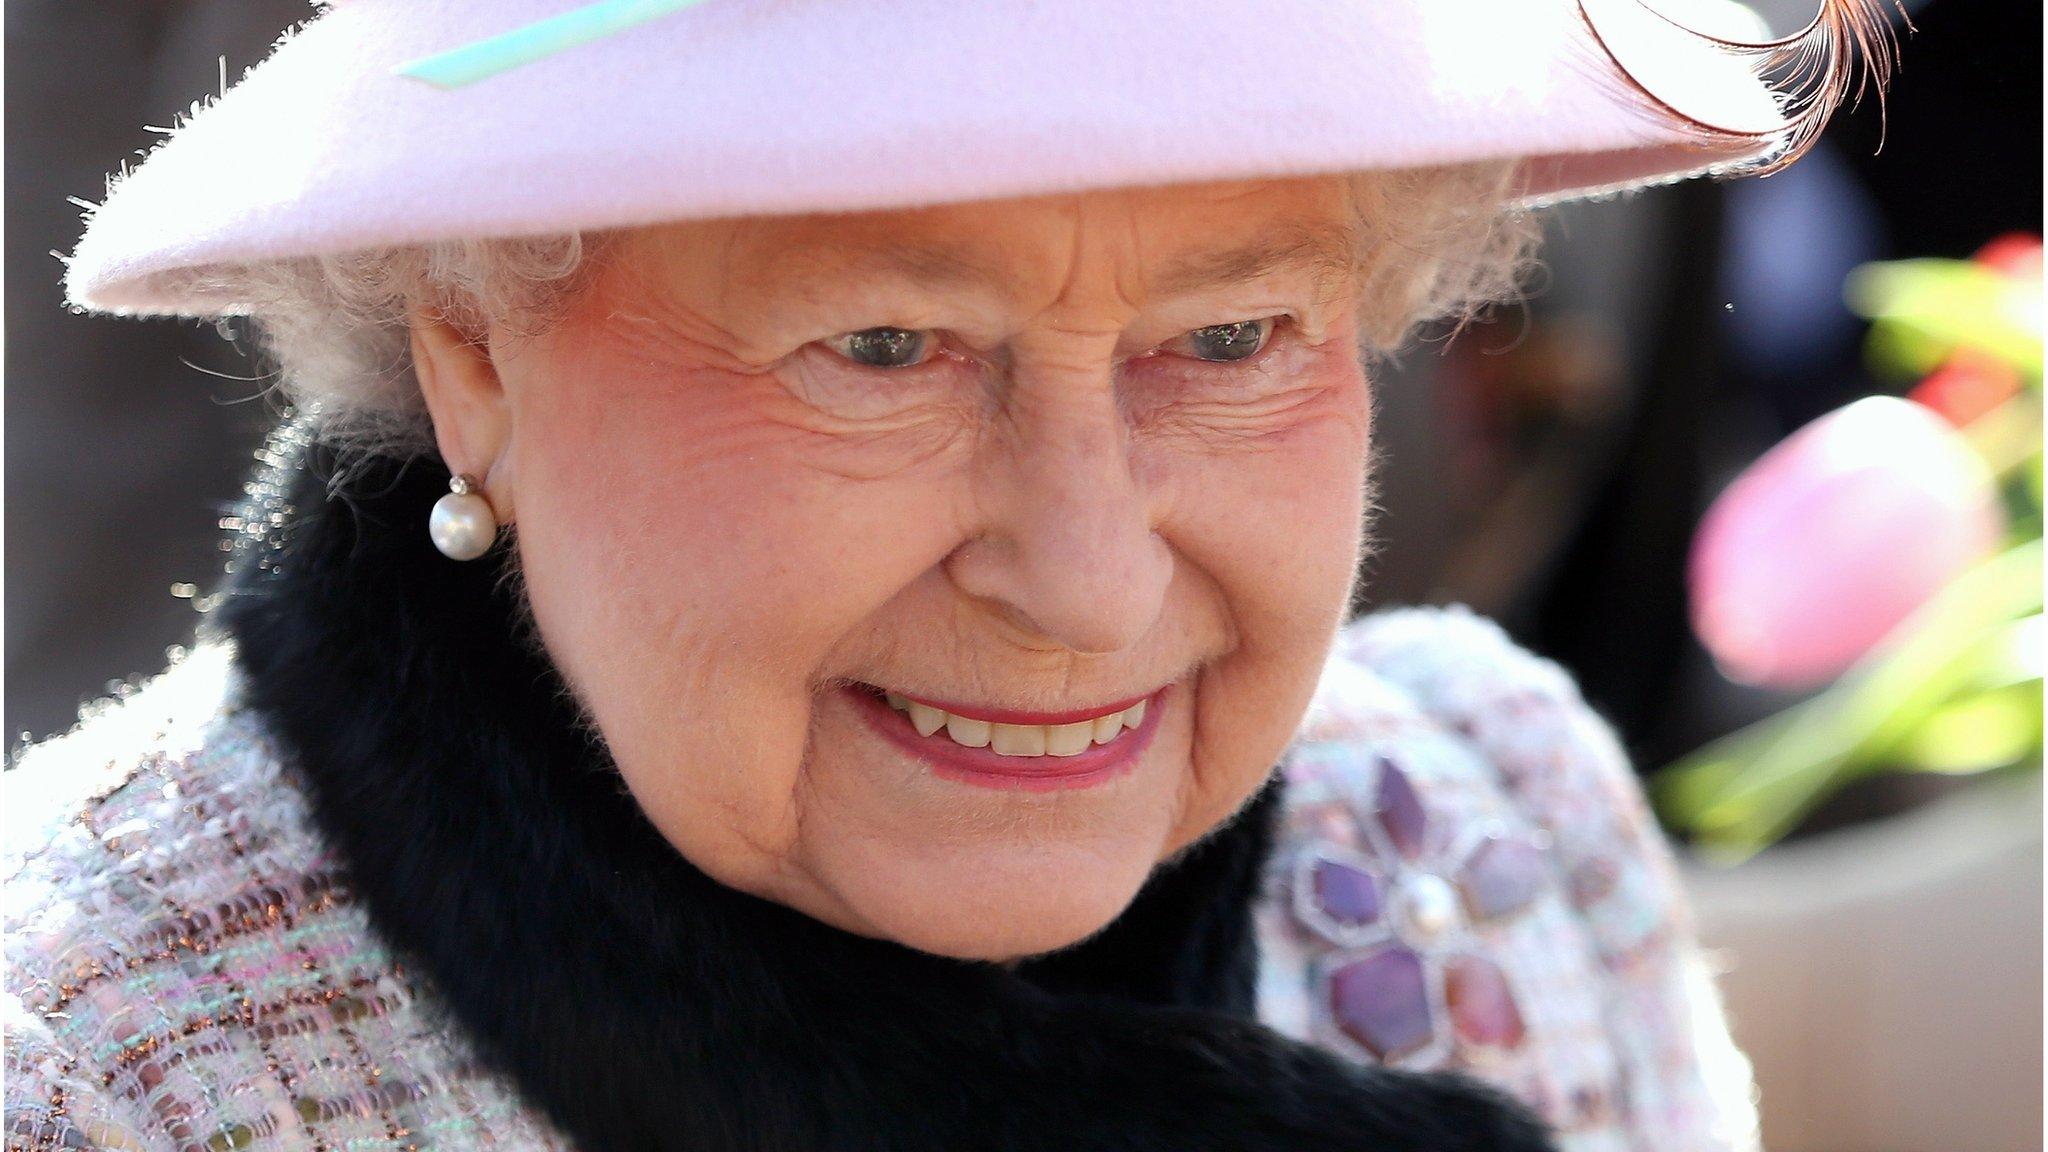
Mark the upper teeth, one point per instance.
(1020, 739)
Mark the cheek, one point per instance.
(644, 506)
(1272, 502)
(1276, 525)
(689, 570)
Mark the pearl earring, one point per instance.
(462, 524)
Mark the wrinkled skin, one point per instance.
(723, 518)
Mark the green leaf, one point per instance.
(1925, 309)
(1993, 729)
(1983, 631)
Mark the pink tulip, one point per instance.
(1835, 536)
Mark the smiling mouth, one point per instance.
(1020, 734)
(1006, 748)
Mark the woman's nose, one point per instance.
(1069, 554)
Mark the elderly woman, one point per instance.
(799, 601)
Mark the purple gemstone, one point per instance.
(1482, 1005)
(1382, 1002)
(1347, 895)
(1400, 811)
(1503, 876)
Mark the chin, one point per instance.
(1008, 906)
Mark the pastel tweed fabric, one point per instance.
(186, 967)
(187, 970)
(1438, 755)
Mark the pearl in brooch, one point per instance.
(1429, 905)
(462, 524)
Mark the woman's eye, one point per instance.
(883, 347)
(1238, 340)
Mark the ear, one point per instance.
(465, 398)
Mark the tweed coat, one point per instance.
(186, 966)
(205, 949)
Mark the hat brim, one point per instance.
(761, 107)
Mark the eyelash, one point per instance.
(1272, 336)
(937, 346)
(934, 347)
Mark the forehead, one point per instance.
(1169, 239)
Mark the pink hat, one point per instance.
(385, 122)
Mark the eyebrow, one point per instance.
(941, 263)
(1324, 250)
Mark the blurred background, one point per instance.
(1824, 649)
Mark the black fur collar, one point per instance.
(645, 1007)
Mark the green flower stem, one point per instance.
(1744, 791)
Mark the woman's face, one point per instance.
(1021, 461)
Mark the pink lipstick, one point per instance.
(985, 768)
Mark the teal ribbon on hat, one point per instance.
(542, 38)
